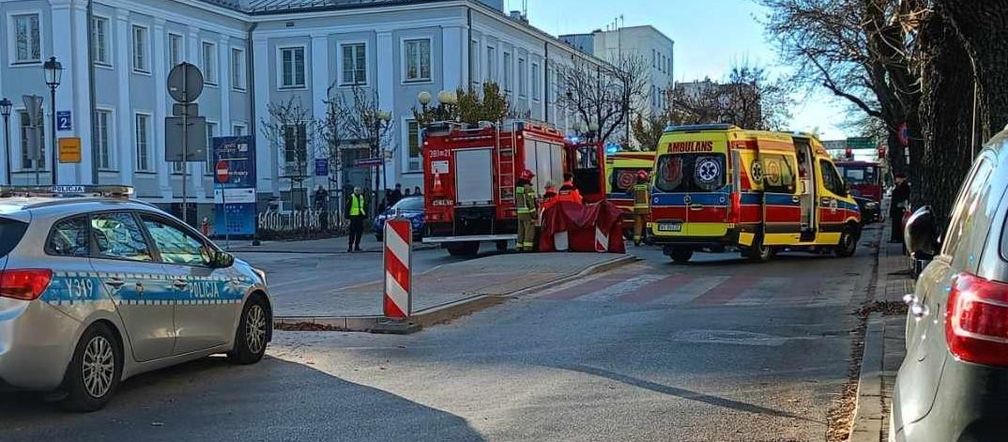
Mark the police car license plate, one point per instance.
(670, 227)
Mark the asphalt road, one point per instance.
(716, 350)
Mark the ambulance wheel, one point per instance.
(848, 242)
(680, 255)
(759, 252)
(93, 375)
(463, 248)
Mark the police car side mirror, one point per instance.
(219, 259)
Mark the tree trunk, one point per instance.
(983, 26)
(945, 116)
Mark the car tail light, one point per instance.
(735, 209)
(24, 284)
(976, 320)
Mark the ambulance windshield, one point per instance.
(690, 172)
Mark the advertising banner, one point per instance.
(234, 200)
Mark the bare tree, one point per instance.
(602, 94)
(365, 122)
(648, 131)
(748, 98)
(294, 132)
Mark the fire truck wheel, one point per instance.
(680, 255)
(759, 252)
(463, 248)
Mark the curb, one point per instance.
(868, 415)
(320, 252)
(438, 314)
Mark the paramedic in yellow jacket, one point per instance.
(641, 205)
(525, 202)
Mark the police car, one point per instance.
(96, 288)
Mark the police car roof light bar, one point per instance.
(67, 191)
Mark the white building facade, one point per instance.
(253, 53)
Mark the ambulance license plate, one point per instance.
(670, 227)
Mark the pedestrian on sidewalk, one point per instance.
(396, 195)
(357, 209)
(416, 191)
(897, 204)
(525, 199)
(641, 204)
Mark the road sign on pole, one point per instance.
(223, 171)
(185, 84)
(860, 143)
(368, 162)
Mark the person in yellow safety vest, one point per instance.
(357, 211)
(641, 205)
(525, 202)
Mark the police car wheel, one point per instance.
(95, 370)
(252, 334)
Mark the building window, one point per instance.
(295, 149)
(140, 49)
(100, 40)
(104, 150)
(354, 63)
(474, 62)
(26, 133)
(506, 77)
(209, 63)
(536, 84)
(292, 67)
(522, 78)
(211, 132)
(238, 69)
(238, 130)
(413, 132)
(654, 97)
(654, 58)
(174, 50)
(418, 59)
(143, 142)
(27, 40)
(491, 74)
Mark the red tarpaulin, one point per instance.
(591, 228)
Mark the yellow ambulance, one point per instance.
(719, 187)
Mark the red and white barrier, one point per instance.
(398, 298)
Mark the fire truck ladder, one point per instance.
(506, 169)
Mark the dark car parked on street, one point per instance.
(953, 383)
(411, 207)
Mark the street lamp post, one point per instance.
(53, 70)
(5, 110)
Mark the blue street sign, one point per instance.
(321, 167)
(235, 211)
(64, 120)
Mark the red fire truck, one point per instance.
(470, 173)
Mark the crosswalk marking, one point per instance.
(634, 286)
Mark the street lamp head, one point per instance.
(52, 70)
(448, 97)
(5, 107)
(424, 98)
(385, 116)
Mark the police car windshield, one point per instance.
(690, 172)
(11, 232)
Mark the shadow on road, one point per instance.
(212, 400)
(685, 394)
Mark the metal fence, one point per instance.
(309, 220)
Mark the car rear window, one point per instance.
(11, 232)
(691, 172)
(624, 178)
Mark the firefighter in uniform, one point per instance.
(641, 206)
(525, 200)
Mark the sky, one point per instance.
(709, 36)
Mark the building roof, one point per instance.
(285, 6)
